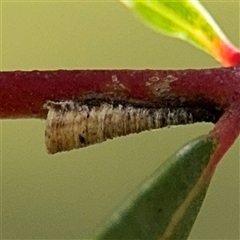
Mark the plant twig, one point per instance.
(23, 94)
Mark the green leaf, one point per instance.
(166, 205)
(187, 20)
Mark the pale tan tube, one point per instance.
(71, 125)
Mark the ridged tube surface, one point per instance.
(71, 125)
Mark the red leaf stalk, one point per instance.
(227, 54)
(227, 129)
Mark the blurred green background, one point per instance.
(67, 195)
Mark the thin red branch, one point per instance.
(23, 94)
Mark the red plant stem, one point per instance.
(23, 94)
(227, 129)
